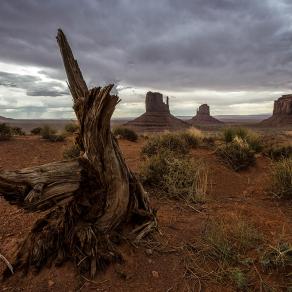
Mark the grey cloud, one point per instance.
(33, 85)
(166, 45)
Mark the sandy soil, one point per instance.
(161, 270)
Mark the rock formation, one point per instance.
(203, 117)
(157, 117)
(282, 113)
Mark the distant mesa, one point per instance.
(282, 113)
(157, 117)
(3, 119)
(203, 117)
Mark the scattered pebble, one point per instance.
(149, 251)
(155, 274)
(51, 283)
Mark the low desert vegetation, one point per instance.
(277, 257)
(17, 131)
(169, 167)
(51, 135)
(5, 132)
(238, 154)
(253, 139)
(279, 152)
(176, 142)
(36, 131)
(178, 177)
(71, 128)
(125, 133)
(72, 151)
(281, 186)
(224, 253)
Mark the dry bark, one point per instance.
(90, 202)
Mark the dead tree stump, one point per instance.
(90, 202)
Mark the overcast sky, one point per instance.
(235, 55)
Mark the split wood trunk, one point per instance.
(92, 202)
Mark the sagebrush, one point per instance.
(125, 133)
(237, 154)
(176, 177)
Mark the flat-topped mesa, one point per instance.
(203, 116)
(154, 103)
(157, 117)
(282, 113)
(283, 105)
(203, 110)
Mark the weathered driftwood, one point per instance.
(91, 201)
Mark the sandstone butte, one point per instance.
(157, 117)
(203, 117)
(282, 113)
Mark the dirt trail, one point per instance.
(162, 270)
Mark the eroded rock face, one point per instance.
(204, 109)
(157, 117)
(283, 105)
(203, 116)
(282, 113)
(154, 102)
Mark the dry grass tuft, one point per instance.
(176, 176)
(237, 154)
(281, 186)
(221, 255)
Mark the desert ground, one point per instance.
(167, 260)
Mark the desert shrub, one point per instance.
(176, 177)
(49, 134)
(72, 151)
(71, 128)
(237, 154)
(56, 138)
(17, 131)
(280, 152)
(253, 139)
(230, 133)
(36, 131)
(47, 131)
(125, 133)
(179, 143)
(281, 185)
(5, 132)
(192, 137)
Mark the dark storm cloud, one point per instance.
(172, 45)
(33, 85)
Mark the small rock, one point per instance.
(150, 261)
(149, 251)
(51, 283)
(155, 274)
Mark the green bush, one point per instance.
(280, 152)
(56, 138)
(5, 132)
(17, 131)
(176, 177)
(237, 154)
(47, 131)
(178, 143)
(36, 131)
(72, 151)
(49, 134)
(282, 179)
(230, 133)
(253, 139)
(125, 133)
(71, 128)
